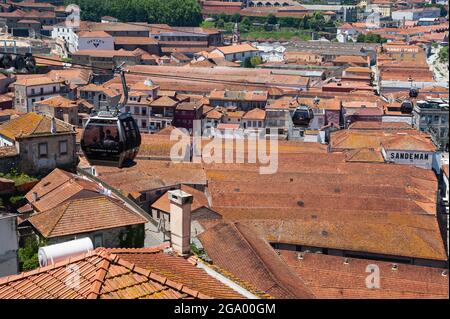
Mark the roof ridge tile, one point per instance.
(100, 275)
(158, 278)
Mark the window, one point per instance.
(144, 111)
(127, 109)
(54, 89)
(43, 149)
(42, 90)
(98, 241)
(136, 110)
(144, 124)
(63, 147)
(33, 91)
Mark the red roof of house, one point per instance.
(105, 275)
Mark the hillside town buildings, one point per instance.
(350, 125)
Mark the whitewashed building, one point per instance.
(95, 40)
(270, 52)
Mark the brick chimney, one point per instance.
(180, 221)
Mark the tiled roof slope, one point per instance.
(200, 200)
(358, 236)
(84, 215)
(59, 186)
(364, 155)
(32, 124)
(336, 277)
(148, 175)
(178, 269)
(102, 276)
(235, 249)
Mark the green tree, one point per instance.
(28, 255)
(223, 16)
(361, 38)
(236, 17)
(443, 54)
(220, 23)
(172, 12)
(306, 25)
(370, 38)
(246, 22)
(271, 19)
(255, 60)
(252, 62)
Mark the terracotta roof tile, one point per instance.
(235, 249)
(402, 140)
(94, 34)
(200, 200)
(42, 80)
(214, 114)
(337, 277)
(33, 124)
(59, 186)
(102, 276)
(255, 114)
(84, 215)
(59, 101)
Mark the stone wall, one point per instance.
(32, 164)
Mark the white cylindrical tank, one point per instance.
(54, 253)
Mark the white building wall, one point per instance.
(9, 245)
(68, 35)
(416, 158)
(89, 43)
(5, 142)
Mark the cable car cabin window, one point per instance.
(102, 137)
(131, 137)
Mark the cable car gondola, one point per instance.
(111, 138)
(302, 116)
(406, 107)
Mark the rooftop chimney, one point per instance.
(180, 221)
(53, 126)
(34, 196)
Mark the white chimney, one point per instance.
(180, 221)
(34, 196)
(53, 126)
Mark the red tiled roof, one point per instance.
(200, 200)
(177, 269)
(365, 155)
(32, 125)
(84, 215)
(103, 275)
(94, 34)
(214, 114)
(354, 139)
(235, 249)
(372, 125)
(411, 143)
(255, 114)
(337, 277)
(59, 186)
